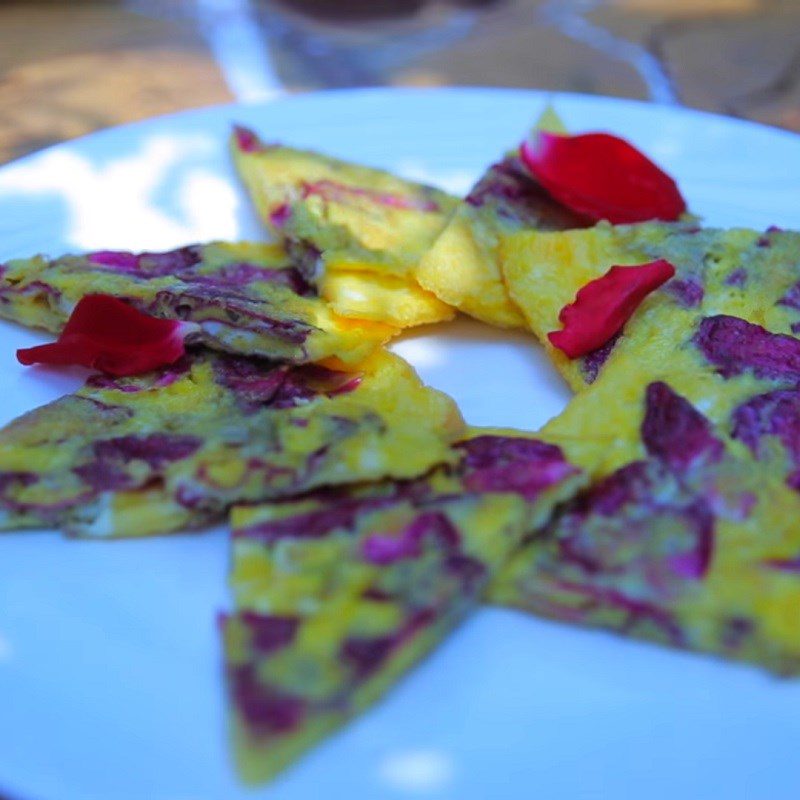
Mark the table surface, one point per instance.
(71, 67)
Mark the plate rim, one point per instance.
(532, 93)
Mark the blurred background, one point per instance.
(68, 67)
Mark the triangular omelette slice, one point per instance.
(339, 594)
(744, 377)
(175, 448)
(359, 232)
(738, 272)
(688, 543)
(247, 298)
(463, 266)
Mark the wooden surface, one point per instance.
(70, 67)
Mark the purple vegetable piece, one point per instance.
(103, 476)
(638, 611)
(332, 191)
(281, 215)
(694, 563)
(52, 513)
(609, 527)
(308, 381)
(792, 298)
(155, 449)
(100, 381)
(313, 524)
(736, 346)
(470, 572)
(107, 472)
(242, 275)
(263, 710)
(293, 392)
(37, 289)
(137, 383)
(8, 479)
(675, 432)
(688, 292)
(737, 278)
(247, 140)
(506, 464)
(765, 241)
(118, 259)
(517, 198)
(383, 549)
(777, 414)
(307, 259)
(255, 384)
(593, 362)
(365, 655)
(736, 631)
(263, 385)
(231, 308)
(150, 265)
(173, 262)
(181, 264)
(269, 633)
(791, 565)
(621, 487)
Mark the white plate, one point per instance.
(109, 660)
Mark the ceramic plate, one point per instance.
(110, 679)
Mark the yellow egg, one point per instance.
(463, 267)
(246, 298)
(175, 448)
(347, 218)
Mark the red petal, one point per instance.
(603, 306)
(602, 177)
(107, 334)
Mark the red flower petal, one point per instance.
(603, 306)
(107, 334)
(602, 177)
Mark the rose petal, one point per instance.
(107, 334)
(603, 306)
(602, 177)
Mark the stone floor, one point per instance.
(70, 67)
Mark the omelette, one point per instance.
(686, 543)
(339, 593)
(367, 522)
(246, 298)
(174, 448)
(744, 377)
(740, 272)
(358, 232)
(463, 267)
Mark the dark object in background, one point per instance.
(369, 10)
(336, 44)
